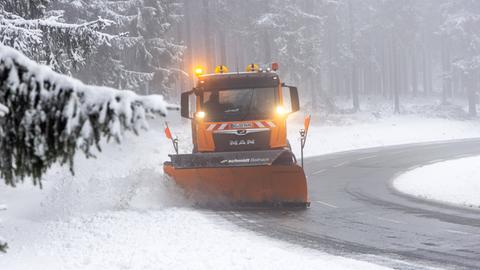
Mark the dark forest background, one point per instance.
(337, 51)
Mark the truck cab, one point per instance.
(241, 155)
(241, 111)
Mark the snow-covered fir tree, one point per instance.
(3, 242)
(47, 117)
(461, 21)
(143, 55)
(122, 44)
(47, 39)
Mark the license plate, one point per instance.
(242, 125)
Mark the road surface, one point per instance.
(356, 212)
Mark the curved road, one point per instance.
(355, 211)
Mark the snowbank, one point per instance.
(454, 181)
(362, 131)
(118, 212)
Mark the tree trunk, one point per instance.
(268, 47)
(384, 70)
(414, 73)
(313, 93)
(446, 70)
(208, 39)
(188, 58)
(396, 76)
(427, 71)
(356, 102)
(223, 46)
(181, 80)
(472, 104)
(319, 88)
(354, 82)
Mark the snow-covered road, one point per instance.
(149, 233)
(118, 212)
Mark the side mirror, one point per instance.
(294, 98)
(184, 104)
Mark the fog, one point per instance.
(340, 53)
(344, 50)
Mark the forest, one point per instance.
(76, 72)
(334, 50)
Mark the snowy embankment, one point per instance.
(453, 182)
(363, 131)
(118, 212)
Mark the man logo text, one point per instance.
(241, 142)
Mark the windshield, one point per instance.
(239, 104)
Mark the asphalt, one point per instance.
(355, 211)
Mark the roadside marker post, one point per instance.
(303, 135)
(168, 134)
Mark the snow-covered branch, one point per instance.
(3, 243)
(48, 116)
(66, 47)
(3, 110)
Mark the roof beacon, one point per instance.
(221, 69)
(252, 68)
(274, 66)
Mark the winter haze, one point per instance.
(90, 104)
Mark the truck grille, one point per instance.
(241, 141)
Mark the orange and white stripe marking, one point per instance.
(228, 126)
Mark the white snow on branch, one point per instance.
(91, 99)
(2, 243)
(3, 110)
(55, 114)
(19, 24)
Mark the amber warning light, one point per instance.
(274, 66)
(221, 69)
(198, 71)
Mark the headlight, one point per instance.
(281, 110)
(200, 115)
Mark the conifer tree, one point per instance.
(47, 117)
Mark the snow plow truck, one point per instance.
(241, 155)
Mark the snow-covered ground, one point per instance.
(118, 212)
(454, 182)
(363, 131)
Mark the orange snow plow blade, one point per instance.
(257, 183)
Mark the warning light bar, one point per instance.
(221, 69)
(198, 71)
